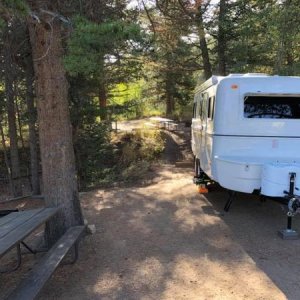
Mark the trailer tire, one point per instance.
(197, 167)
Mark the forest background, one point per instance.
(128, 60)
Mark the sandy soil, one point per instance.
(165, 241)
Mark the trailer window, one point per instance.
(197, 107)
(204, 107)
(211, 104)
(272, 107)
(194, 109)
(200, 109)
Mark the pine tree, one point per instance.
(55, 131)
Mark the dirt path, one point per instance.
(165, 241)
(177, 146)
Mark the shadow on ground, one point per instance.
(254, 225)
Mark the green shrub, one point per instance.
(104, 158)
(143, 144)
(95, 155)
(139, 149)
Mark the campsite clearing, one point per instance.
(165, 241)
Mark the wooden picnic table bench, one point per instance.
(15, 227)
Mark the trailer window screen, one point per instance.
(272, 107)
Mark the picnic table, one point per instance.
(16, 226)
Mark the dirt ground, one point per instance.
(165, 241)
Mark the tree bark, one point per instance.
(55, 131)
(12, 129)
(11, 187)
(203, 45)
(169, 105)
(33, 139)
(222, 38)
(170, 102)
(19, 122)
(103, 102)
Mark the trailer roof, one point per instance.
(214, 80)
(208, 83)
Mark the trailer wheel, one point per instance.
(197, 167)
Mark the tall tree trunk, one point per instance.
(103, 101)
(222, 38)
(55, 131)
(11, 186)
(285, 60)
(19, 123)
(289, 39)
(33, 139)
(203, 45)
(170, 103)
(12, 129)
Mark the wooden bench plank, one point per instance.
(21, 232)
(22, 217)
(30, 287)
(8, 218)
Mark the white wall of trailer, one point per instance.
(238, 151)
(229, 117)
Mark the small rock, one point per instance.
(91, 229)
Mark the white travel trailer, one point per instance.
(246, 133)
